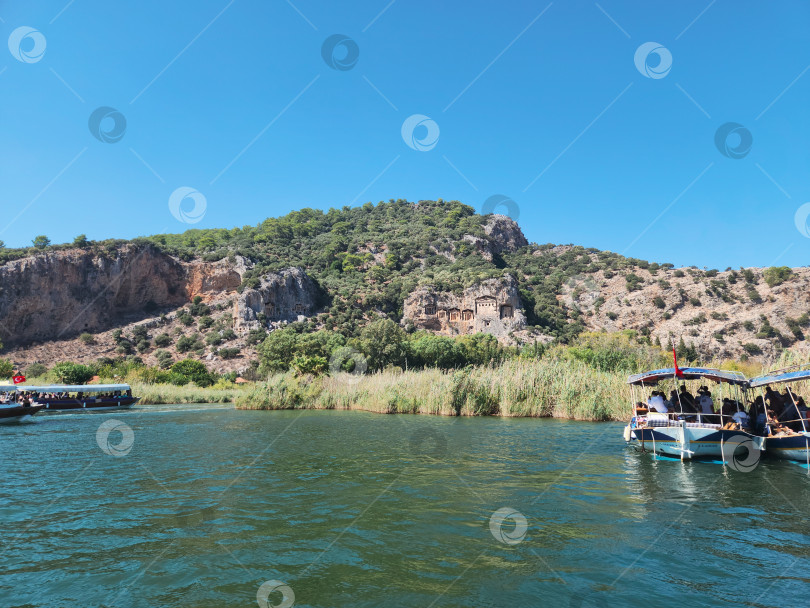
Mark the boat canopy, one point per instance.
(74, 388)
(689, 373)
(779, 378)
(7, 388)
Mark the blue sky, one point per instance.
(541, 102)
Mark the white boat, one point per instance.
(684, 433)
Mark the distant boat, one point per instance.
(795, 446)
(81, 396)
(681, 432)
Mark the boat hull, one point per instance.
(11, 415)
(88, 404)
(792, 447)
(687, 442)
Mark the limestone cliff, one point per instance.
(504, 234)
(58, 294)
(283, 296)
(492, 306)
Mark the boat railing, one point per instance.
(694, 419)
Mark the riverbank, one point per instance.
(530, 388)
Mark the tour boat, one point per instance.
(81, 396)
(686, 434)
(794, 446)
(13, 411)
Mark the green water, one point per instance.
(356, 509)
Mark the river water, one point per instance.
(197, 506)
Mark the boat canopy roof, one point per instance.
(779, 378)
(73, 388)
(689, 373)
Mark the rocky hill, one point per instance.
(433, 265)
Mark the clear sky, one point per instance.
(598, 137)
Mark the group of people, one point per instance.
(684, 402)
(785, 413)
(773, 414)
(15, 398)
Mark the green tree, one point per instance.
(81, 241)
(195, 371)
(41, 241)
(72, 373)
(382, 341)
(6, 368)
(277, 350)
(315, 366)
(164, 359)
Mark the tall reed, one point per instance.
(519, 387)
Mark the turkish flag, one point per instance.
(678, 372)
(18, 379)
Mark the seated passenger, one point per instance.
(705, 400)
(790, 416)
(656, 403)
(776, 428)
(687, 400)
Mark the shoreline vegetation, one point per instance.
(582, 381)
(520, 388)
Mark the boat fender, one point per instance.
(627, 433)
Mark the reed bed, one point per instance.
(537, 388)
(154, 394)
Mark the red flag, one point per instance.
(18, 379)
(678, 372)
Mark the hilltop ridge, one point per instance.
(354, 265)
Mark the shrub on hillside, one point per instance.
(163, 340)
(35, 370)
(776, 275)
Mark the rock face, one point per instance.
(282, 296)
(491, 307)
(506, 235)
(60, 294)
